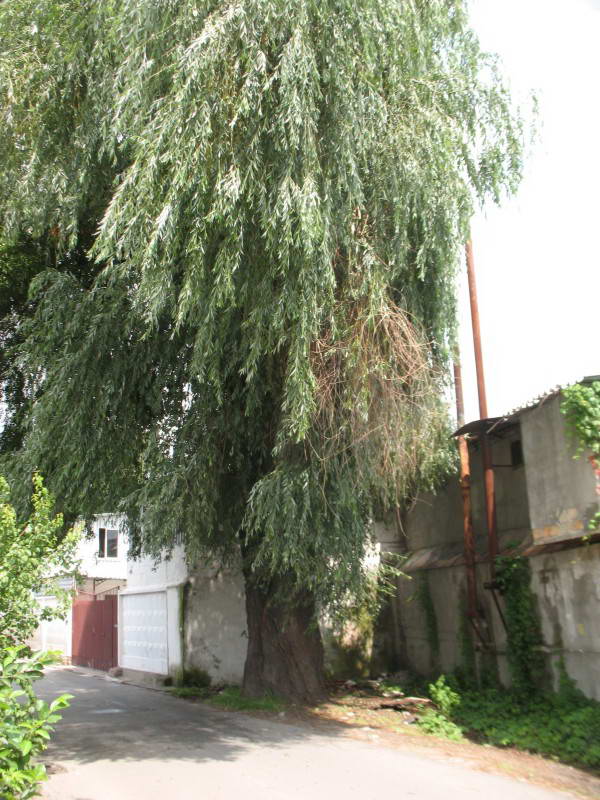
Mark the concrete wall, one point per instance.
(216, 639)
(547, 500)
(562, 489)
(214, 617)
(567, 586)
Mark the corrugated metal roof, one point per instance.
(490, 424)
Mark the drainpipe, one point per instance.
(486, 451)
(465, 490)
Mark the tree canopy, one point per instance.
(272, 196)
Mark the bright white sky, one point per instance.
(537, 257)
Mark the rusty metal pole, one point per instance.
(486, 451)
(465, 490)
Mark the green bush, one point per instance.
(563, 725)
(438, 722)
(26, 722)
(34, 555)
(566, 727)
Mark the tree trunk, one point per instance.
(285, 652)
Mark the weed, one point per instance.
(231, 699)
(190, 691)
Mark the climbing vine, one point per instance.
(581, 409)
(431, 627)
(523, 632)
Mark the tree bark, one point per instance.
(285, 652)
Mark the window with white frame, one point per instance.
(108, 543)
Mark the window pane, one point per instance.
(112, 538)
(101, 542)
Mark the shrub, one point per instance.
(33, 555)
(26, 722)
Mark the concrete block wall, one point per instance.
(215, 637)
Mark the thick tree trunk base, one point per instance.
(285, 652)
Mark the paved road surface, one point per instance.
(121, 742)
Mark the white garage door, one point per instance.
(144, 632)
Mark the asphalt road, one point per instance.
(121, 742)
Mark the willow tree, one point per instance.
(278, 191)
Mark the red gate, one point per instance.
(95, 631)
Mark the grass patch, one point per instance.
(189, 691)
(231, 699)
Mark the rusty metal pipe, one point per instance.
(465, 490)
(486, 451)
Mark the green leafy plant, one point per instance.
(25, 722)
(581, 408)
(523, 632)
(232, 699)
(33, 557)
(438, 721)
(565, 727)
(190, 691)
(425, 599)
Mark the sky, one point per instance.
(537, 257)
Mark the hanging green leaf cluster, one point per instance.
(580, 405)
(274, 195)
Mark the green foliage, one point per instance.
(190, 691)
(281, 191)
(193, 677)
(431, 627)
(468, 665)
(25, 722)
(552, 724)
(232, 699)
(581, 408)
(439, 721)
(564, 725)
(33, 557)
(444, 696)
(523, 635)
(437, 724)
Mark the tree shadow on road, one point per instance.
(108, 720)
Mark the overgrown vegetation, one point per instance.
(33, 556)
(25, 722)
(425, 600)
(232, 699)
(564, 725)
(528, 715)
(523, 632)
(581, 408)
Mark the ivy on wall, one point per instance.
(431, 627)
(581, 409)
(523, 632)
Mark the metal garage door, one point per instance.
(144, 632)
(95, 631)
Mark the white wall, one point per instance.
(149, 614)
(91, 564)
(144, 573)
(216, 638)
